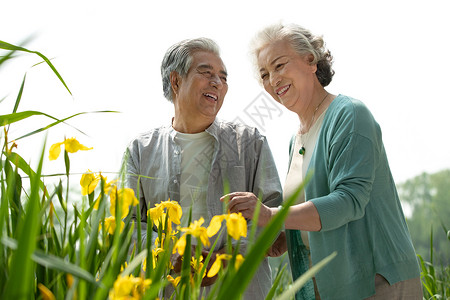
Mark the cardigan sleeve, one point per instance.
(341, 190)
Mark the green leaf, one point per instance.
(275, 284)
(305, 277)
(8, 46)
(19, 96)
(62, 265)
(21, 281)
(18, 116)
(235, 286)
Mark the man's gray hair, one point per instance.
(179, 58)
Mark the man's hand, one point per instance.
(245, 203)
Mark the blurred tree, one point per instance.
(429, 197)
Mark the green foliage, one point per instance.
(435, 278)
(429, 196)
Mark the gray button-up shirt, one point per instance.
(242, 162)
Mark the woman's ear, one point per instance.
(175, 81)
(309, 59)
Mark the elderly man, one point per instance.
(195, 155)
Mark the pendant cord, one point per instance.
(302, 149)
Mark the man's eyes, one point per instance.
(209, 74)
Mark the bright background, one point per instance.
(392, 55)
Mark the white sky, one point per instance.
(392, 55)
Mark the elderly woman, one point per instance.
(350, 205)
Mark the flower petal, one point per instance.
(54, 151)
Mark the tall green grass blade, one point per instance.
(8, 46)
(136, 262)
(19, 162)
(21, 281)
(235, 287)
(276, 283)
(305, 277)
(6, 57)
(18, 116)
(57, 263)
(19, 96)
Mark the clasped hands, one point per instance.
(245, 203)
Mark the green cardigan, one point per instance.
(355, 195)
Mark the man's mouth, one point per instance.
(212, 96)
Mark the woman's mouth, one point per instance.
(283, 90)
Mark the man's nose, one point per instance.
(216, 81)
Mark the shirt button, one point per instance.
(175, 181)
(177, 152)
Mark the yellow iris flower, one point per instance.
(45, 292)
(197, 264)
(107, 188)
(173, 281)
(88, 182)
(129, 287)
(110, 225)
(236, 225)
(126, 198)
(197, 231)
(215, 268)
(71, 145)
(173, 208)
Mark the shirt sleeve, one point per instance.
(267, 184)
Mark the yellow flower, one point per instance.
(71, 145)
(69, 279)
(129, 287)
(197, 264)
(110, 225)
(239, 261)
(196, 230)
(174, 210)
(236, 225)
(126, 198)
(45, 292)
(218, 263)
(180, 245)
(107, 188)
(155, 253)
(215, 224)
(155, 213)
(173, 281)
(88, 182)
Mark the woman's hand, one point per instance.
(245, 203)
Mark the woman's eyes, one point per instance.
(277, 68)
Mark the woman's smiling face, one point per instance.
(286, 76)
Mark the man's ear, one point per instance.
(175, 82)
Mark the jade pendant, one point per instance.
(301, 151)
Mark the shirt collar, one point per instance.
(213, 129)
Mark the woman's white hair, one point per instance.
(302, 41)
